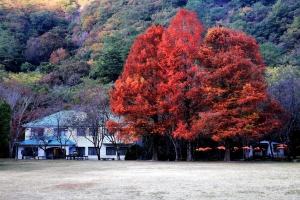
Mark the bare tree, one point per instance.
(39, 139)
(285, 88)
(62, 121)
(24, 104)
(94, 105)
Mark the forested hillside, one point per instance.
(60, 48)
(93, 37)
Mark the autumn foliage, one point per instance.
(235, 87)
(135, 95)
(174, 81)
(58, 55)
(179, 48)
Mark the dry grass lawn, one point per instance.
(65, 179)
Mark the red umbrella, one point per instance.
(246, 148)
(221, 148)
(200, 149)
(208, 149)
(235, 148)
(256, 149)
(281, 147)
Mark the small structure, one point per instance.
(264, 149)
(60, 134)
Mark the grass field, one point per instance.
(65, 179)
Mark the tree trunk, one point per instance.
(155, 147)
(174, 141)
(98, 154)
(118, 154)
(271, 149)
(11, 149)
(227, 150)
(189, 152)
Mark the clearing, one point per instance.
(68, 179)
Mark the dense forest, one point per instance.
(51, 52)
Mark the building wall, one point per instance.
(81, 141)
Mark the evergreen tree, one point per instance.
(109, 66)
(5, 118)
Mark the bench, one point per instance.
(107, 158)
(77, 157)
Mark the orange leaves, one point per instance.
(113, 126)
(135, 93)
(159, 76)
(58, 55)
(235, 84)
(183, 131)
(175, 81)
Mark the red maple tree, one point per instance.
(235, 88)
(174, 82)
(180, 87)
(135, 95)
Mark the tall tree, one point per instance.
(109, 66)
(179, 49)
(235, 88)
(24, 104)
(11, 51)
(135, 95)
(5, 119)
(284, 84)
(93, 103)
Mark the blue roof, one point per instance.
(63, 118)
(51, 141)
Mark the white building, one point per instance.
(67, 131)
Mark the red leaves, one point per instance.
(173, 80)
(235, 78)
(58, 55)
(135, 96)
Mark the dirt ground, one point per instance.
(69, 179)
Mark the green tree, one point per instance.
(5, 119)
(42, 21)
(47, 67)
(111, 62)
(109, 66)
(27, 67)
(10, 51)
(291, 37)
(270, 53)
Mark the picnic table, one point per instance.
(107, 158)
(76, 157)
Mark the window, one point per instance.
(81, 132)
(123, 150)
(110, 151)
(93, 132)
(92, 151)
(29, 151)
(62, 132)
(37, 132)
(81, 150)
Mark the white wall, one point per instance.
(81, 141)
